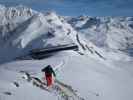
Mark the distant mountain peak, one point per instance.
(23, 29)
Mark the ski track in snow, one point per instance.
(61, 90)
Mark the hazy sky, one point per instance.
(79, 7)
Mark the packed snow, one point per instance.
(100, 70)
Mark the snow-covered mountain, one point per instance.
(105, 32)
(23, 29)
(100, 70)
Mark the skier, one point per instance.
(49, 73)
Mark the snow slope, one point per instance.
(86, 75)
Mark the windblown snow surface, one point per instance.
(102, 69)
